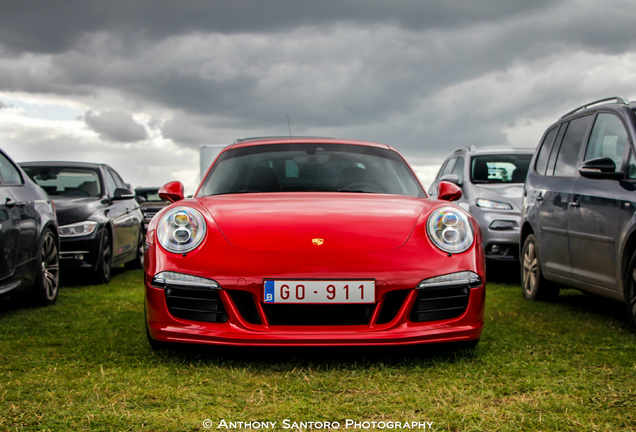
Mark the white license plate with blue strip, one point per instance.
(317, 291)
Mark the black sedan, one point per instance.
(101, 225)
(29, 242)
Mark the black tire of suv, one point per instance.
(629, 285)
(533, 284)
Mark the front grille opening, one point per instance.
(501, 250)
(440, 304)
(391, 305)
(246, 306)
(318, 314)
(195, 304)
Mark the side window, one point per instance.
(555, 149)
(571, 146)
(448, 167)
(608, 139)
(9, 174)
(631, 166)
(459, 169)
(110, 181)
(118, 181)
(544, 152)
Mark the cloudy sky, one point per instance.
(142, 84)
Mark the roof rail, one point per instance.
(616, 98)
(467, 148)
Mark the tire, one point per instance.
(138, 261)
(533, 284)
(47, 278)
(104, 260)
(630, 291)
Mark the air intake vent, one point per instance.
(440, 304)
(246, 306)
(195, 304)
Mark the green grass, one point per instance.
(85, 365)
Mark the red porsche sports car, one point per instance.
(309, 242)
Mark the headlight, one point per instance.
(168, 278)
(493, 205)
(78, 229)
(181, 229)
(452, 280)
(450, 230)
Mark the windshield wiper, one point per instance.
(354, 191)
(242, 191)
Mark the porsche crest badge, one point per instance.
(318, 241)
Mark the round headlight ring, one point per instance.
(181, 218)
(181, 229)
(450, 219)
(181, 235)
(450, 230)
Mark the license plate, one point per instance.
(338, 291)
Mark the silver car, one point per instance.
(492, 188)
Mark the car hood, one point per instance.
(510, 193)
(303, 222)
(71, 210)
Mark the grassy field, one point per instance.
(85, 365)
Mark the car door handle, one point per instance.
(575, 204)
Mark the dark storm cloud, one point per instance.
(116, 126)
(40, 26)
(425, 76)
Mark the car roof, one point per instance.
(610, 102)
(494, 151)
(88, 165)
(249, 142)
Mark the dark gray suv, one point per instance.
(578, 216)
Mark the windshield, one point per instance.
(310, 168)
(151, 195)
(71, 182)
(509, 168)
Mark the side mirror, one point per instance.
(123, 194)
(600, 168)
(448, 191)
(452, 178)
(172, 191)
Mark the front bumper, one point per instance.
(500, 231)
(163, 326)
(80, 252)
(236, 314)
